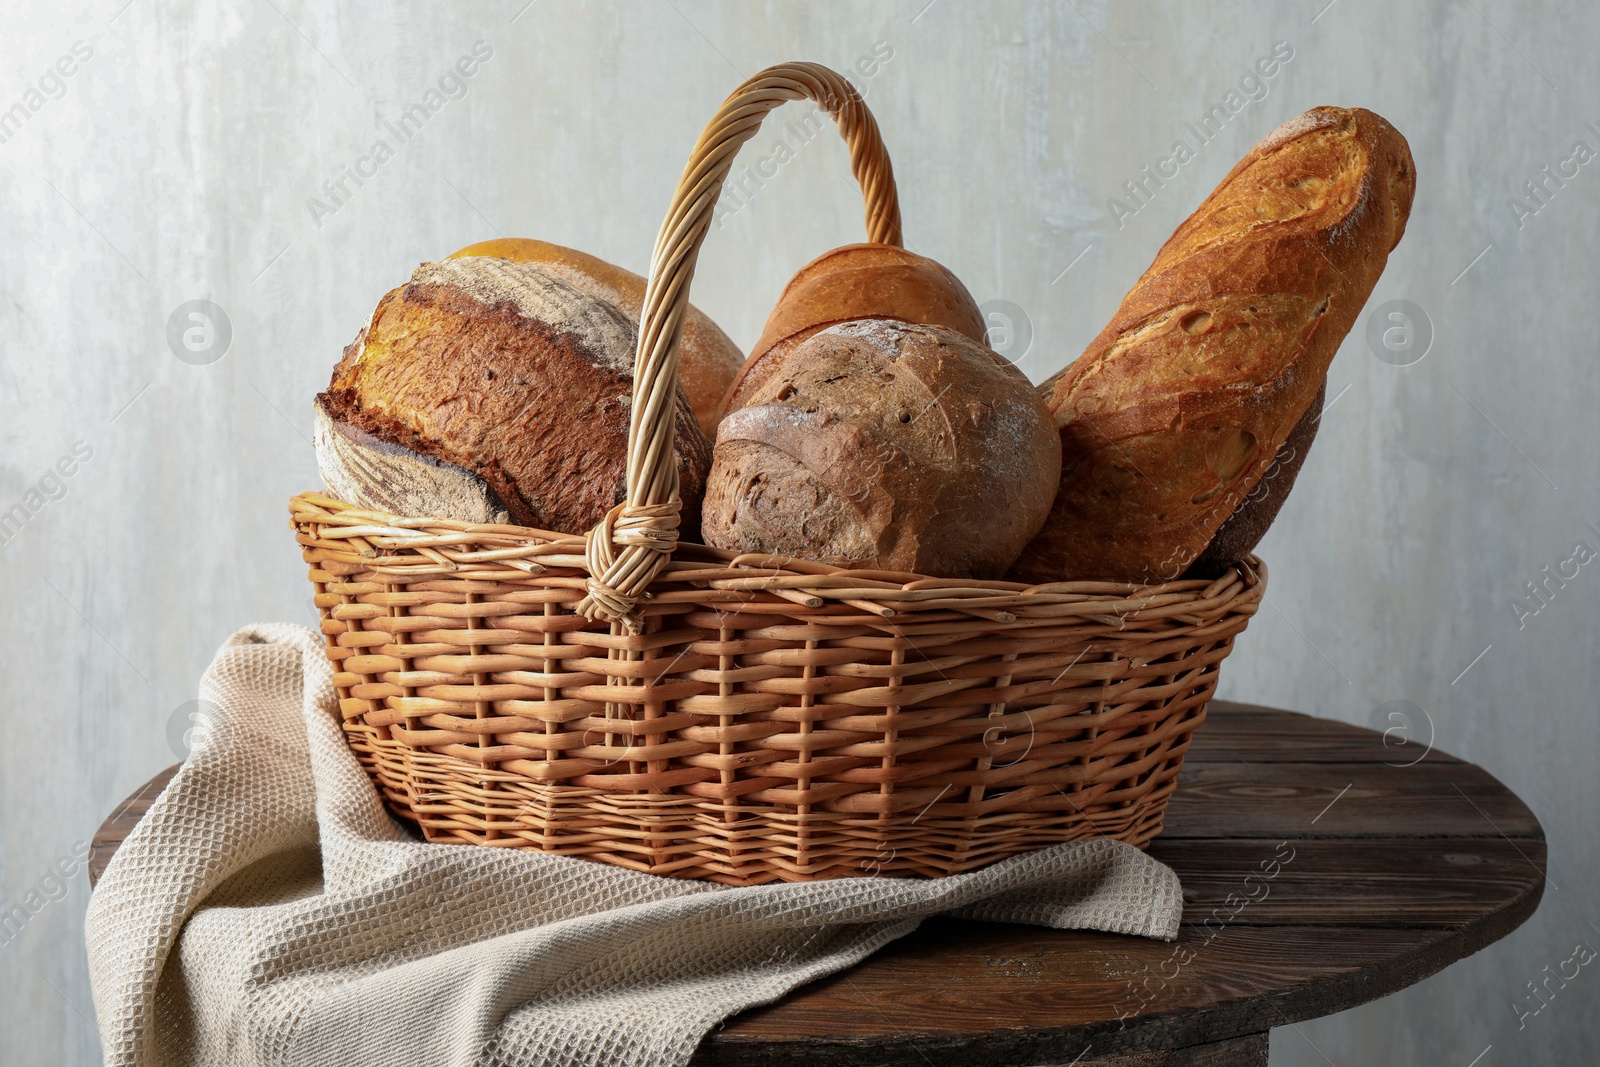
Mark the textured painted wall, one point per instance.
(167, 152)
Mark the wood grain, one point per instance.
(1249, 1051)
(1253, 734)
(1309, 887)
(1345, 800)
(1421, 881)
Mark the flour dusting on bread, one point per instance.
(885, 335)
(537, 294)
(1318, 118)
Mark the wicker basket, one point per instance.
(678, 710)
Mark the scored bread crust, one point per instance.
(1177, 409)
(516, 378)
(859, 281)
(887, 445)
(708, 359)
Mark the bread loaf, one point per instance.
(1174, 413)
(862, 281)
(1240, 532)
(890, 446)
(707, 358)
(486, 390)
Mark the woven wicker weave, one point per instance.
(678, 710)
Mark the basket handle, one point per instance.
(635, 540)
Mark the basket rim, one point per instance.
(417, 546)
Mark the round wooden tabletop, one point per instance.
(1323, 866)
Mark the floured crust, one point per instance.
(1318, 118)
(888, 445)
(860, 281)
(1177, 409)
(536, 297)
(514, 376)
(708, 359)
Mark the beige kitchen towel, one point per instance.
(268, 910)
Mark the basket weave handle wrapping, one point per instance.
(635, 540)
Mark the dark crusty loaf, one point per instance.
(860, 281)
(1175, 412)
(886, 445)
(485, 388)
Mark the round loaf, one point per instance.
(861, 281)
(886, 445)
(485, 390)
(707, 359)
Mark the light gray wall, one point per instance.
(178, 162)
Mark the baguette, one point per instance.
(1175, 412)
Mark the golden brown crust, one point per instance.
(1178, 408)
(1240, 532)
(887, 445)
(708, 359)
(528, 405)
(860, 281)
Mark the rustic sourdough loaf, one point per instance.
(486, 390)
(1175, 412)
(886, 445)
(707, 358)
(861, 281)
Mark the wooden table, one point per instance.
(1321, 870)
